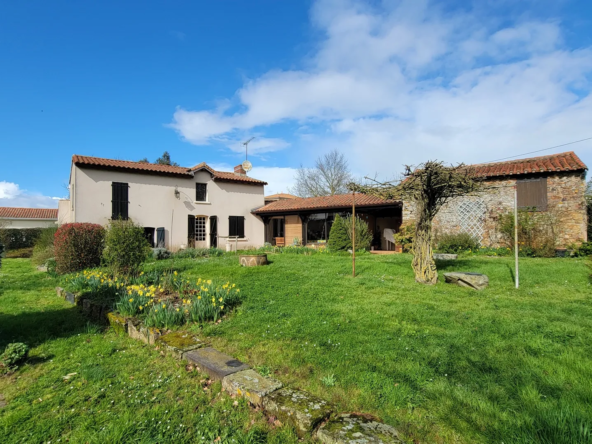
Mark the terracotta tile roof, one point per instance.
(562, 162)
(29, 213)
(99, 162)
(337, 201)
(280, 196)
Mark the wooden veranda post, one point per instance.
(354, 234)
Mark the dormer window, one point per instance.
(201, 192)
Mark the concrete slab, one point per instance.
(299, 408)
(251, 385)
(354, 429)
(216, 364)
(179, 342)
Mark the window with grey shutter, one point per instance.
(532, 194)
(201, 192)
(119, 200)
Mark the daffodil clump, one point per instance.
(164, 315)
(137, 299)
(95, 283)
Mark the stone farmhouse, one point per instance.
(181, 207)
(177, 206)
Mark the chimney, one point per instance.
(240, 170)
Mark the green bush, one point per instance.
(126, 247)
(78, 246)
(160, 253)
(338, 237)
(536, 232)
(583, 250)
(43, 249)
(456, 243)
(194, 253)
(13, 355)
(17, 238)
(405, 237)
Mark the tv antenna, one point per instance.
(247, 166)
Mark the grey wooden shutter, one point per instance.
(191, 230)
(124, 202)
(532, 193)
(119, 200)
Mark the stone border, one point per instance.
(307, 413)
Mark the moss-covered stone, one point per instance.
(251, 385)
(179, 342)
(118, 323)
(299, 408)
(215, 364)
(134, 330)
(354, 429)
(60, 292)
(150, 334)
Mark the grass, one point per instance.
(441, 363)
(83, 385)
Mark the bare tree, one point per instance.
(329, 176)
(428, 188)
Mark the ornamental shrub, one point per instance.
(126, 247)
(43, 249)
(13, 355)
(78, 246)
(456, 243)
(363, 233)
(17, 238)
(338, 237)
(536, 232)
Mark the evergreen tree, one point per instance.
(363, 233)
(165, 159)
(338, 238)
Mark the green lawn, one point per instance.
(441, 363)
(122, 392)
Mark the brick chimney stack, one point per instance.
(240, 170)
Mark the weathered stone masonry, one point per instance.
(479, 215)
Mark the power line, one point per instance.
(538, 151)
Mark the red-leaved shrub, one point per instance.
(78, 246)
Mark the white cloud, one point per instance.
(11, 195)
(406, 81)
(259, 145)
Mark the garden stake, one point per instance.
(516, 233)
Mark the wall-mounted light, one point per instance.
(177, 193)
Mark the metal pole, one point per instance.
(354, 234)
(516, 235)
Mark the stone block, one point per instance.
(355, 429)
(134, 330)
(86, 306)
(60, 292)
(475, 281)
(179, 342)
(445, 257)
(150, 334)
(251, 385)
(95, 311)
(118, 323)
(216, 364)
(299, 408)
(253, 260)
(71, 298)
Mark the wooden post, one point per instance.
(517, 277)
(354, 234)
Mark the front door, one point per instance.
(214, 232)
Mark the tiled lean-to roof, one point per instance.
(323, 203)
(28, 213)
(151, 168)
(554, 163)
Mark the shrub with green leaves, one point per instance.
(78, 246)
(453, 243)
(126, 247)
(584, 250)
(536, 232)
(160, 253)
(43, 249)
(338, 237)
(363, 233)
(13, 355)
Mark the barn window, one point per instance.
(532, 194)
(200, 228)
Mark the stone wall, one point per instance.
(479, 215)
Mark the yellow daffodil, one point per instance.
(131, 300)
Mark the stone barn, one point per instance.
(553, 184)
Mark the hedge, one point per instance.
(17, 238)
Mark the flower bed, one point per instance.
(159, 300)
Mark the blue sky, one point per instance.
(387, 83)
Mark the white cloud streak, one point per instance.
(405, 82)
(11, 195)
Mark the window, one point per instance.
(200, 228)
(201, 192)
(119, 200)
(532, 193)
(236, 226)
(278, 227)
(319, 226)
